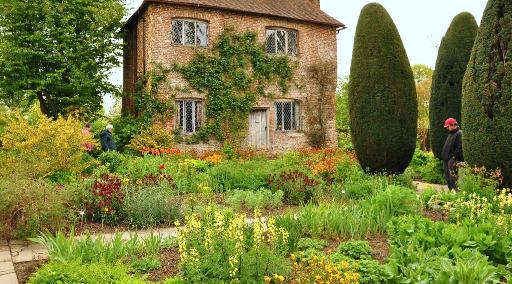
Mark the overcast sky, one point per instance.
(421, 24)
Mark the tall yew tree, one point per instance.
(487, 93)
(59, 53)
(451, 65)
(382, 95)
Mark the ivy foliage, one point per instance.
(233, 74)
(149, 106)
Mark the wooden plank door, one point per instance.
(258, 127)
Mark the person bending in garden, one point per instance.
(452, 152)
(107, 140)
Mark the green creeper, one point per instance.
(487, 93)
(451, 65)
(59, 53)
(382, 95)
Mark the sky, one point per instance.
(421, 24)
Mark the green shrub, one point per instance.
(150, 207)
(75, 272)
(382, 95)
(451, 65)
(356, 249)
(28, 207)
(263, 198)
(111, 159)
(233, 174)
(311, 244)
(487, 93)
(479, 183)
(297, 187)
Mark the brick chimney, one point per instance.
(315, 2)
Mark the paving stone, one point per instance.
(10, 278)
(6, 267)
(4, 243)
(28, 253)
(5, 255)
(4, 248)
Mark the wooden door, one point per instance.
(258, 137)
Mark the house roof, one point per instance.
(302, 10)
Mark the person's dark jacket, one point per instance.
(453, 147)
(107, 140)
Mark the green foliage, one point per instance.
(219, 247)
(305, 244)
(356, 221)
(125, 128)
(111, 159)
(423, 250)
(263, 198)
(146, 264)
(487, 93)
(427, 168)
(451, 65)
(342, 115)
(480, 183)
(97, 249)
(61, 54)
(297, 187)
(28, 207)
(233, 75)
(382, 95)
(356, 249)
(150, 207)
(91, 273)
(232, 174)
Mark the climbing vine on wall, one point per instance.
(233, 74)
(149, 106)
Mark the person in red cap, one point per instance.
(452, 152)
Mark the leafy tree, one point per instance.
(487, 93)
(423, 78)
(59, 53)
(451, 65)
(342, 113)
(382, 95)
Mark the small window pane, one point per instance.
(279, 116)
(181, 114)
(281, 42)
(287, 114)
(189, 123)
(177, 32)
(202, 34)
(190, 33)
(271, 41)
(292, 43)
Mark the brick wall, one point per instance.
(316, 43)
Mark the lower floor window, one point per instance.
(188, 116)
(287, 116)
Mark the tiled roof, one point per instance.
(302, 10)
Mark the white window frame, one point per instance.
(196, 117)
(286, 41)
(183, 36)
(294, 119)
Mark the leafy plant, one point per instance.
(149, 207)
(298, 188)
(218, 247)
(90, 273)
(263, 198)
(356, 249)
(111, 159)
(107, 197)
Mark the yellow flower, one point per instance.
(267, 279)
(105, 209)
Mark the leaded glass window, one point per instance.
(189, 32)
(287, 116)
(188, 116)
(282, 41)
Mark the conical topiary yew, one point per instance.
(487, 93)
(451, 65)
(382, 95)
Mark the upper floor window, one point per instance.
(189, 32)
(287, 116)
(188, 116)
(282, 41)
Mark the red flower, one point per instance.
(162, 167)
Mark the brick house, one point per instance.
(167, 31)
